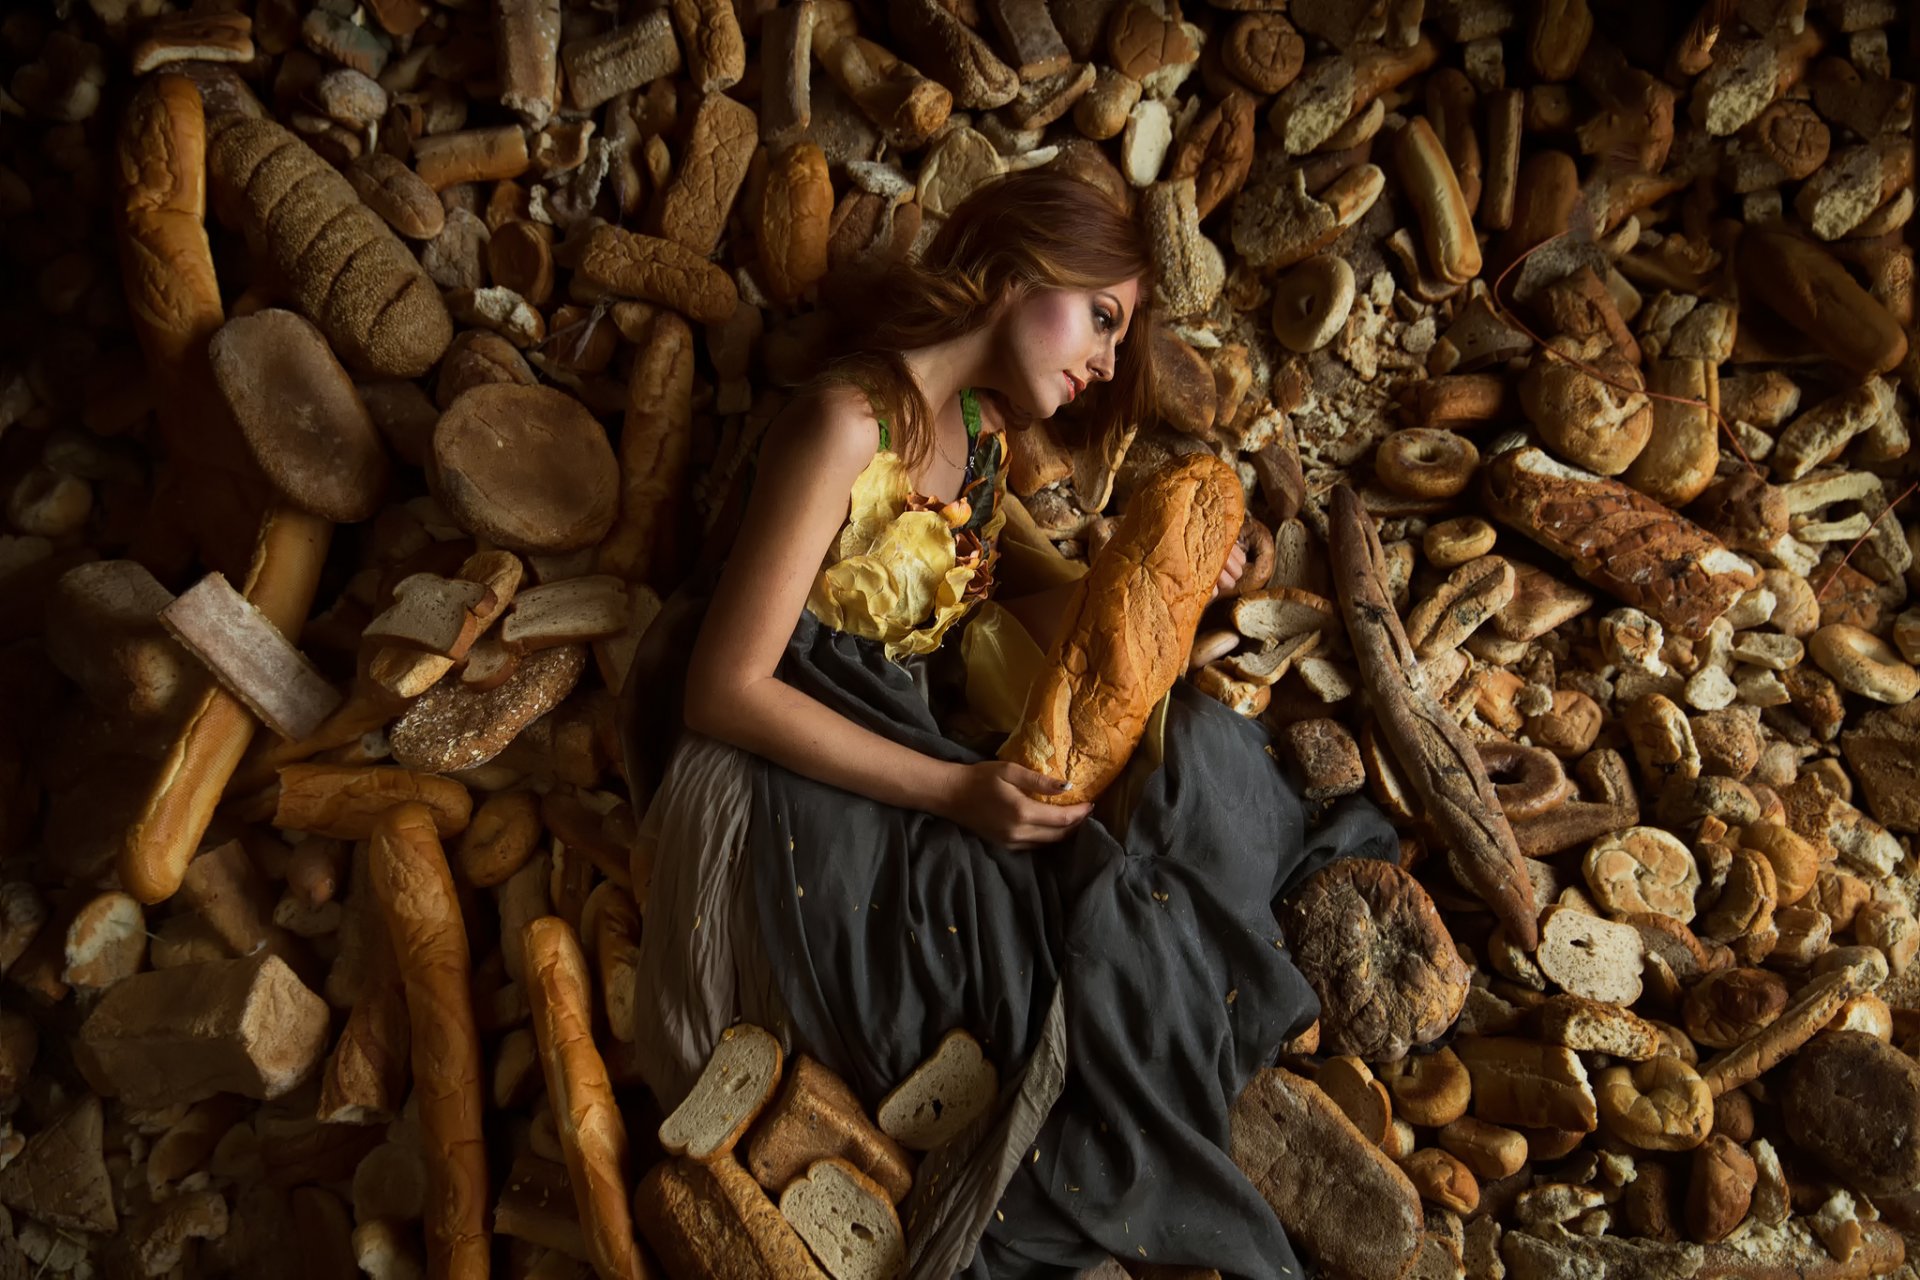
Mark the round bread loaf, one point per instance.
(1368, 940)
(300, 413)
(526, 467)
(1853, 1101)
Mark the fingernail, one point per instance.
(1066, 786)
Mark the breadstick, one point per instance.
(592, 1134)
(162, 838)
(415, 887)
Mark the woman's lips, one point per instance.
(1074, 385)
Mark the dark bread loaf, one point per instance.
(1129, 627)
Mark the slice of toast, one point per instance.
(847, 1220)
(738, 1081)
(942, 1096)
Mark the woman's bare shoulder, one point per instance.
(835, 421)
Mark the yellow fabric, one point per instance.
(894, 573)
(1002, 662)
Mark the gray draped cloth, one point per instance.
(1156, 949)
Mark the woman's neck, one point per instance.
(943, 368)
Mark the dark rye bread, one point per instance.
(1129, 627)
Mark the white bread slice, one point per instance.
(847, 1220)
(432, 614)
(1590, 957)
(738, 1081)
(942, 1096)
(571, 611)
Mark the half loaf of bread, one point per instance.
(1129, 627)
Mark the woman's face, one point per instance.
(1060, 340)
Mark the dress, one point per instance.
(1126, 982)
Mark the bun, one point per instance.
(1130, 626)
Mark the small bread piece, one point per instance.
(418, 901)
(250, 657)
(300, 414)
(657, 270)
(431, 614)
(815, 1117)
(526, 467)
(714, 1220)
(1642, 869)
(1525, 1084)
(1657, 1105)
(166, 1036)
(1129, 628)
(458, 726)
(1362, 1098)
(1590, 957)
(1595, 1027)
(847, 1220)
(592, 1134)
(942, 1096)
(570, 611)
(737, 1083)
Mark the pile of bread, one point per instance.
(382, 365)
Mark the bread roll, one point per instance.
(1129, 627)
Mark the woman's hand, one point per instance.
(1236, 565)
(996, 799)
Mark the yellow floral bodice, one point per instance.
(904, 568)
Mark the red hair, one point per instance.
(1025, 232)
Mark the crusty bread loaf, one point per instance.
(714, 1220)
(1129, 627)
(593, 1137)
(344, 267)
(817, 1116)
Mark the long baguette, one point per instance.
(417, 899)
(592, 1135)
(1129, 628)
(165, 834)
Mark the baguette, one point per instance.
(1129, 628)
(173, 300)
(164, 835)
(592, 1134)
(422, 912)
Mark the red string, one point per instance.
(1821, 593)
(1507, 314)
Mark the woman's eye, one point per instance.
(1105, 316)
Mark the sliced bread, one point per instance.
(1591, 957)
(714, 1220)
(847, 1220)
(738, 1081)
(942, 1096)
(817, 1116)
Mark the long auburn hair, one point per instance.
(1032, 230)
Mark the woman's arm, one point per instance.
(808, 464)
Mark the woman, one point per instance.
(830, 865)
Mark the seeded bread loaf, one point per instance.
(1129, 627)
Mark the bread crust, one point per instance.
(592, 1134)
(1129, 628)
